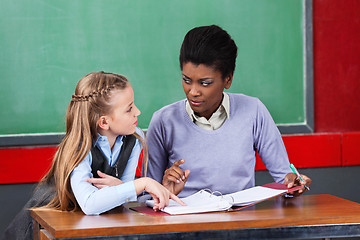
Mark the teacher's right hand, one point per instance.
(174, 178)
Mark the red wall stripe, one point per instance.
(350, 145)
(309, 151)
(25, 165)
(317, 150)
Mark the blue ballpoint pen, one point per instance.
(298, 174)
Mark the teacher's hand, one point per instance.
(292, 180)
(174, 178)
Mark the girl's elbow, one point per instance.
(90, 211)
(90, 208)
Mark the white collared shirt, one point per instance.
(216, 120)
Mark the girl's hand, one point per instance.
(174, 178)
(104, 180)
(159, 193)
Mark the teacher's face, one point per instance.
(203, 87)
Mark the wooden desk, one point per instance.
(308, 216)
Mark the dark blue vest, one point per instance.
(99, 161)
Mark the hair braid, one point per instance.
(93, 94)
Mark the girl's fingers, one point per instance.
(101, 174)
(162, 201)
(177, 199)
(156, 203)
(94, 180)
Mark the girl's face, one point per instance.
(123, 119)
(203, 87)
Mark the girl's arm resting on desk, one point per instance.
(96, 201)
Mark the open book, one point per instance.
(207, 201)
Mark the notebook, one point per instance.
(208, 201)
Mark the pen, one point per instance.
(298, 174)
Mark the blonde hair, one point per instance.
(90, 101)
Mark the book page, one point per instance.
(252, 195)
(201, 201)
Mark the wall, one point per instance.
(336, 65)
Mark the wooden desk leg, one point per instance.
(36, 230)
(45, 235)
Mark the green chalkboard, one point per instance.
(47, 46)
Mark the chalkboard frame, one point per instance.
(13, 140)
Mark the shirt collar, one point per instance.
(105, 139)
(226, 104)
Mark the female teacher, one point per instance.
(210, 139)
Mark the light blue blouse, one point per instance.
(95, 201)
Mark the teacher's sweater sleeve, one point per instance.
(158, 154)
(269, 144)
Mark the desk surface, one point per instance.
(329, 214)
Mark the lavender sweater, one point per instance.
(221, 160)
